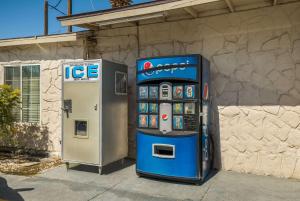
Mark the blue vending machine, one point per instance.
(173, 118)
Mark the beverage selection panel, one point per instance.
(181, 97)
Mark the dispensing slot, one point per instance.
(163, 150)
(81, 128)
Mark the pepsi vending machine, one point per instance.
(173, 117)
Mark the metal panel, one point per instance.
(104, 111)
(83, 149)
(85, 106)
(114, 138)
(182, 165)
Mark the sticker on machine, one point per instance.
(164, 117)
(205, 92)
(81, 71)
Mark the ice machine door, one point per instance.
(81, 122)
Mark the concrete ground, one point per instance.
(123, 184)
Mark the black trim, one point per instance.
(174, 133)
(169, 56)
(167, 80)
(197, 181)
(167, 101)
(200, 151)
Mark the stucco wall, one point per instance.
(255, 61)
(49, 57)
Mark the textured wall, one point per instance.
(255, 60)
(49, 57)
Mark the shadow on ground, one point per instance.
(113, 167)
(7, 193)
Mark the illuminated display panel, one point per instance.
(177, 122)
(143, 107)
(189, 108)
(143, 92)
(143, 121)
(178, 92)
(153, 92)
(153, 121)
(189, 91)
(177, 108)
(153, 108)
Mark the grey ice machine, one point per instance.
(95, 112)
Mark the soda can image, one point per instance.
(189, 91)
(177, 108)
(143, 121)
(153, 108)
(143, 92)
(178, 91)
(178, 122)
(143, 107)
(189, 108)
(153, 121)
(153, 92)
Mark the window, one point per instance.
(27, 79)
(120, 83)
(12, 78)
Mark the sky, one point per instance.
(21, 18)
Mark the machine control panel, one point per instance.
(168, 107)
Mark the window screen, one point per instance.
(121, 83)
(27, 79)
(30, 93)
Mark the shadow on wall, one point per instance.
(215, 132)
(29, 136)
(7, 193)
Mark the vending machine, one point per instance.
(173, 117)
(94, 104)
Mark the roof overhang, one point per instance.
(39, 39)
(163, 10)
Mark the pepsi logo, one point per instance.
(164, 117)
(178, 90)
(205, 91)
(147, 65)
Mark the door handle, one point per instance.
(66, 111)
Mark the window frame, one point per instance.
(126, 75)
(21, 86)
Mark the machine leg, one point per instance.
(122, 162)
(100, 170)
(67, 165)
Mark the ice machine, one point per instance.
(173, 117)
(94, 104)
